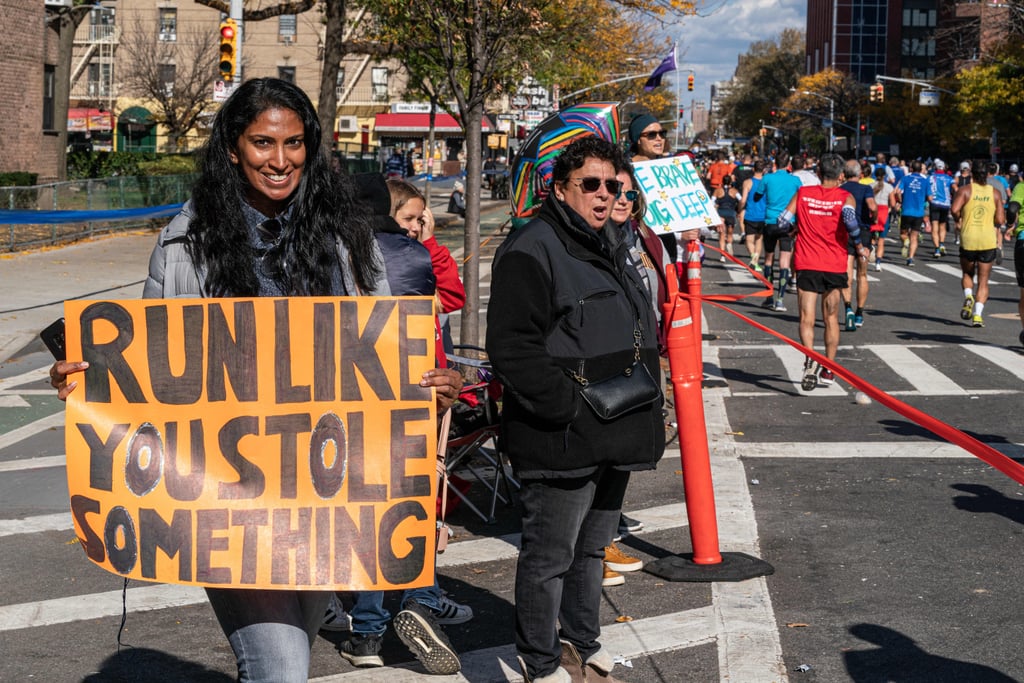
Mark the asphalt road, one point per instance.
(894, 552)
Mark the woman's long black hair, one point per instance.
(322, 206)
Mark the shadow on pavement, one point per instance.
(986, 499)
(142, 665)
(900, 660)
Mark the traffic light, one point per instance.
(880, 93)
(228, 64)
(689, 83)
(773, 113)
(873, 92)
(863, 128)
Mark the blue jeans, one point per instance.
(566, 525)
(369, 615)
(271, 631)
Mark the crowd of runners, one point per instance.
(814, 227)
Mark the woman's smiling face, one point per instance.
(271, 154)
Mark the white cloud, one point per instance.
(711, 45)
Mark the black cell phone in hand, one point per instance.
(53, 337)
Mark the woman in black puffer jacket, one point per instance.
(565, 298)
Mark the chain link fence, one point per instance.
(120, 192)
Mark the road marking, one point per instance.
(498, 664)
(36, 375)
(31, 429)
(32, 463)
(926, 379)
(950, 269)
(14, 401)
(903, 361)
(32, 525)
(907, 273)
(870, 449)
(1004, 358)
(793, 361)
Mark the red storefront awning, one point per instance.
(419, 124)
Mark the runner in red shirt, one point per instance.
(825, 218)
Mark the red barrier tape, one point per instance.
(1001, 462)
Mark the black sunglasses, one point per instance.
(651, 134)
(630, 195)
(592, 184)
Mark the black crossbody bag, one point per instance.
(629, 390)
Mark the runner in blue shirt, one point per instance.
(940, 196)
(911, 194)
(779, 188)
(752, 206)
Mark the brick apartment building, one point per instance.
(27, 71)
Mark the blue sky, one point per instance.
(710, 45)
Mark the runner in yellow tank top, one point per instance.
(977, 230)
(978, 213)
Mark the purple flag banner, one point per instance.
(667, 64)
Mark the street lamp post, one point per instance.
(831, 112)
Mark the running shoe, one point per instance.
(967, 308)
(976, 321)
(826, 377)
(810, 379)
(363, 649)
(757, 267)
(721, 259)
(938, 253)
(858, 320)
(779, 306)
(769, 302)
(417, 628)
(942, 250)
(905, 251)
(910, 263)
(336, 618)
(850, 324)
(878, 265)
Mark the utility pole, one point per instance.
(237, 12)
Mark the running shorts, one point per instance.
(979, 255)
(785, 243)
(938, 213)
(820, 282)
(753, 227)
(865, 239)
(908, 223)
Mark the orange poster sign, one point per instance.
(257, 443)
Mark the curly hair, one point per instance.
(581, 149)
(322, 206)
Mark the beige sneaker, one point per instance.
(620, 561)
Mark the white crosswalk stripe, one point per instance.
(909, 363)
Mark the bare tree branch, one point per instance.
(296, 7)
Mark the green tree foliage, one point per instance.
(992, 93)
(765, 74)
